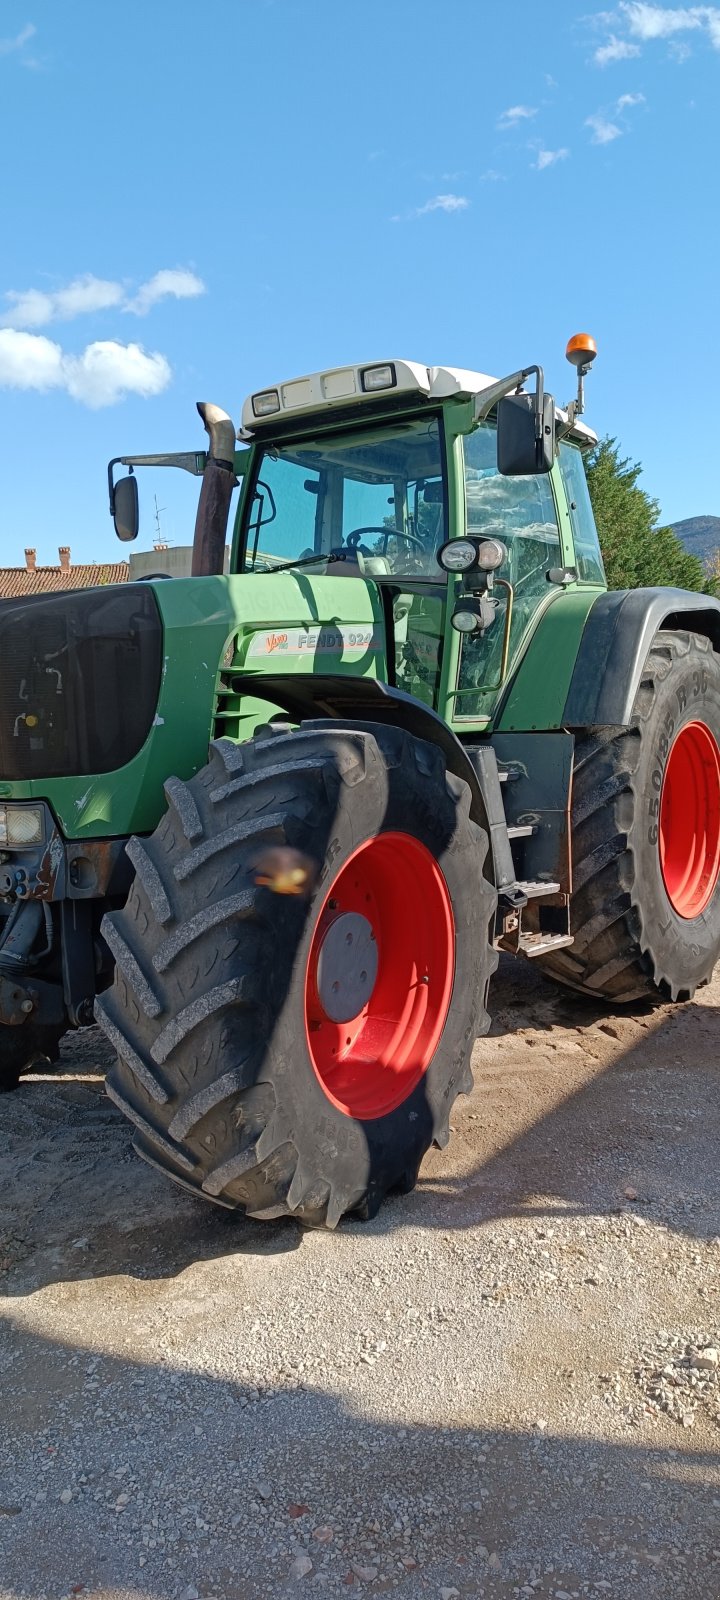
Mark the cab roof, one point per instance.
(339, 387)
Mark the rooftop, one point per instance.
(16, 582)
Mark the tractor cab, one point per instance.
(369, 472)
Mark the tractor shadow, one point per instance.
(93, 1498)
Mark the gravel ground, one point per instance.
(507, 1385)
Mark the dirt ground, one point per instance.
(508, 1384)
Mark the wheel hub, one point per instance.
(347, 966)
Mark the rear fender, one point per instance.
(617, 636)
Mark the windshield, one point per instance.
(375, 496)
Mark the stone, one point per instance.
(301, 1567)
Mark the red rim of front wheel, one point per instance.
(690, 820)
(380, 975)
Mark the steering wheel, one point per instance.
(352, 540)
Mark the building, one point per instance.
(16, 582)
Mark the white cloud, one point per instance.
(104, 373)
(107, 371)
(615, 50)
(444, 202)
(660, 22)
(177, 283)
(7, 46)
(29, 361)
(603, 131)
(514, 115)
(547, 158)
(35, 308)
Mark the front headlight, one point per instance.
(21, 826)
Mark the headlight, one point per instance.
(21, 826)
(458, 555)
(491, 555)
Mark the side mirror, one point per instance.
(522, 449)
(125, 509)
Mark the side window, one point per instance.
(588, 558)
(521, 512)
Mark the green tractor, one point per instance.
(270, 827)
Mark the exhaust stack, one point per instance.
(218, 483)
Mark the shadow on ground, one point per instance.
(119, 1477)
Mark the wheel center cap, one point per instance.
(347, 966)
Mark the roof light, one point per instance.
(373, 378)
(266, 403)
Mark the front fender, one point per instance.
(617, 636)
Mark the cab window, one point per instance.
(588, 558)
(376, 496)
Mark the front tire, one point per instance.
(293, 1054)
(645, 908)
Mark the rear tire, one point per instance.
(235, 1062)
(645, 909)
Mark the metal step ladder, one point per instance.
(515, 892)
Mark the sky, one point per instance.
(199, 201)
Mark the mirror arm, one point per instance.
(488, 398)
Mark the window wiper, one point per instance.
(310, 561)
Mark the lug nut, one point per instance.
(27, 1006)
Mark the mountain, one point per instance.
(700, 535)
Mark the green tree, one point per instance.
(635, 551)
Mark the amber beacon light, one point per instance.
(581, 351)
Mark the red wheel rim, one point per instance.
(690, 820)
(380, 975)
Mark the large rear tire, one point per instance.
(288, 1053)
(645, 910)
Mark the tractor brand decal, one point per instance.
(333, 639)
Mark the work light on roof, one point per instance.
(266, 403)
(374, 378)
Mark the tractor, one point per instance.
(270, 827)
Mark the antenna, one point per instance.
(159, 542)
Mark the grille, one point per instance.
(79, 680)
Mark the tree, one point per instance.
(635, 551)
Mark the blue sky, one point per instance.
(200, 200)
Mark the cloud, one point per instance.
(107, 371)
(514, 115)
(658, 22)
(604, 130)
(548, 158)
(102, 375)
(8, 46)
(615, 50)
(29, 361)
(176, 283)
(35, 308)
(439, 202)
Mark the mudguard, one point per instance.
(617, 636)
(307, 696)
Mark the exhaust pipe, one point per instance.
(218, 483)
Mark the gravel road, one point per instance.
(508, 1384)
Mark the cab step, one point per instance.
(535, 889)
(521, 830)
(538, 944)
